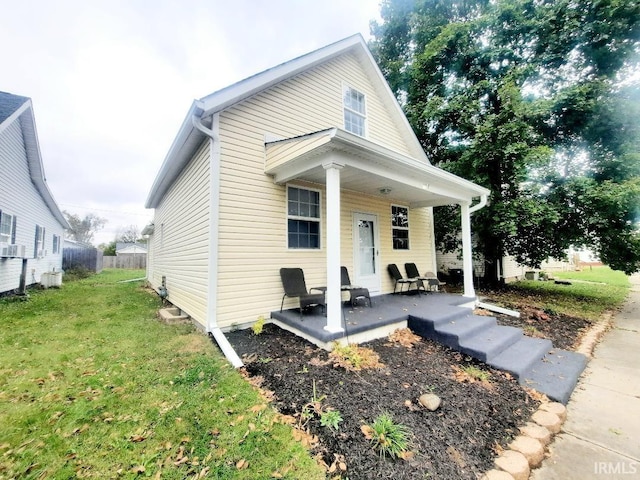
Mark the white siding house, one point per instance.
(31, 224)
(309, 164)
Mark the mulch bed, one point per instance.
(563, 330)
(459, 440)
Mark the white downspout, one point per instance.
(467, 259)
(214, 209)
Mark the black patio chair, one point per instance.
(393, 270)
(428, 278)
(295, 286)
(354, 292)
(434, 281)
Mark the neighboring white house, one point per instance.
(31, 224)
(132, 249)
(309, 164)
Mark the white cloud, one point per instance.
(112, 81)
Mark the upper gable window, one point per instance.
(355, 114)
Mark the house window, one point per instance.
(354, 111)
(56, 244)
(39, 242)
(303, 218)
(6, 228)
(400, 227)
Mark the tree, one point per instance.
(130, 234)
(108, 249)
(83, 229)
(525, 98)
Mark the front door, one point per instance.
(365, 252)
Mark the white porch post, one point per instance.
(334, 298)
(467, 261)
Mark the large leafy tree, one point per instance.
(531, 99)
(83, 229)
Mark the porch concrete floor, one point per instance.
(386, 310)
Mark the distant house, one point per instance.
(132, 249)
(309, 164)
(31, 224)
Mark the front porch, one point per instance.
(361, 323)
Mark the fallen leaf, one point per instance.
(242, 464)
(258, 408)
(138, 469)
(367, 431)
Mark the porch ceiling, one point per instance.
(368, 168)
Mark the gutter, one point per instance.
(479, 205)
(212, 326)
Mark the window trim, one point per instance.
(55, 248)
(39, 251)
(345, 88)
(395, 227)
(318, 219)
(12, 223)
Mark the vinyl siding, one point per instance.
(253, 223)
(19, 197)
(179, 246)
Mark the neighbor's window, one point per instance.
(6, 227)
(303, 218)
(354, 111)
(56, 244)
(39, 243)
(400, 227)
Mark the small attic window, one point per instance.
(354, 111)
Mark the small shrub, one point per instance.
(330, 419)
(354, 358)
(387, 437)
(476, 373)
(257, 327)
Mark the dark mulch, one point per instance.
(563, 330)
(459, 440)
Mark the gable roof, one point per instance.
(190, 136)
(16, 108)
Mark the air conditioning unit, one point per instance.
(12, 251)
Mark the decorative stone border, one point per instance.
(528, 449)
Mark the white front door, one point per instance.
(365, 252)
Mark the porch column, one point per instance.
(467, 260)
(334, 297)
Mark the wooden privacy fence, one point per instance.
(82, 257)
(125, 261)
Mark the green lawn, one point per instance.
(92, 385)
(593, 292)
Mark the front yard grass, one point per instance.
(593, 292)
(92, 385)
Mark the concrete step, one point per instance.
(487, 343)
(172, 315)
(450, 332)
(520, 357)
(556, 375)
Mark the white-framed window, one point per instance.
(7, 224)
(56, 244)
(39, 242)
(400, 227)
(355, 113)
(303, 218)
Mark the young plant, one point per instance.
(330, 419)
(353, 357)
(387, 437)
(257, 327)
(476, 373)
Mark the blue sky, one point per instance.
(111, 80)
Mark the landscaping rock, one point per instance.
(430, 401)
(537, 432)
(497, 475)
(532, 449)
(554, 407)
(514, 463)
(548, 420)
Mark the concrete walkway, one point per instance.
(601, 436)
